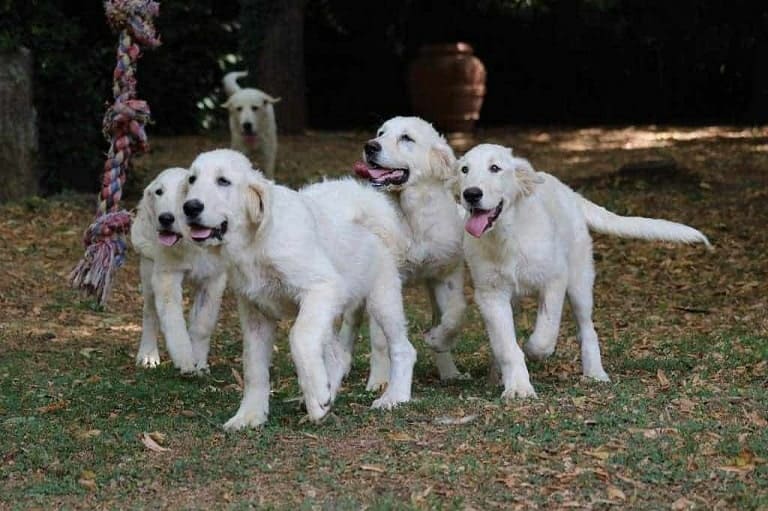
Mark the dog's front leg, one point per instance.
(497, 313)
(450, 304)
(148, 356)
(168, 300)
(258, 339)
(312, 328)
(348, 333)
(203, 317)
(385, 307)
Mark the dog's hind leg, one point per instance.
(379, 371)
(348, 333)
(448, 301)
(258, 340)
(202, 318)
(168, 300)
(581, 299)
(543, 340)
(148, 356)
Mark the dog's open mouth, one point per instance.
(480, 220)
(200, 232)
(250, 138)
(381, 176)
(168, 238)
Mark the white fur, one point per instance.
(434, 226)
(538, 244)
(163, 269)
(293, 256)
(251, 109)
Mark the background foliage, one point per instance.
(549, 61)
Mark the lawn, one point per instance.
(684, 332)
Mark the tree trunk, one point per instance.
(18, 127)
(273, 50)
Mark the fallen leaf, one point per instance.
(85, 435)
(400, 437)
(663, 380)
(445, 420)
(53, 407)
(681, 504)
(86, 352)
(187, 413)
(756, 419)
(150, 443)
(238, 378)
(372, 468)
(158, 437)
(88, 484)
(616, 493)
(600, 453)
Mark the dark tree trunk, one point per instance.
(273, 49)
(758, 108)
(18, 127)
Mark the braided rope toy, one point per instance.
(105, 239)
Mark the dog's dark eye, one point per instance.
(239, 109)
(159, 191)
(495, 168)
(464, 169)
(192, 179)
(223, 181)
(380, 133)
(405, 137)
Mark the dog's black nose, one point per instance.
(193, 208)
(166, 219)
(248, 128)
(372, 147)
(473, 195)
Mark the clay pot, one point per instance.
(447, 86)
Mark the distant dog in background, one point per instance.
(252, 125)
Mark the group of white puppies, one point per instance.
(342, 249)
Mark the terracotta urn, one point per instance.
(447, 85)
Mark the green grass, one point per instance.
(579, 433)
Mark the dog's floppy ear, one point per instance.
(526, 175)
(256, 200)
(442, 160)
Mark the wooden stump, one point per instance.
(18, 127)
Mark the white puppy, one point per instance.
(166, 258)
(292, 257)
(413, 162)
(252, 125)
(528, 233)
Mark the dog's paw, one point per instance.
(597, 375)
(519, 390)
(456, 376)
(317, 410)
(388, 401)
(538, 350)
(245, 420)
(376, 383)
(148, 360)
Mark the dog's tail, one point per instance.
(230, 81)
(601, 220)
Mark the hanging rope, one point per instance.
(123, 127)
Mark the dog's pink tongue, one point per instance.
(168, 238)
(477, 223)
(200, 233)
(363, 170)
(250, 139)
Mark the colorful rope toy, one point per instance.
(105, 238)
